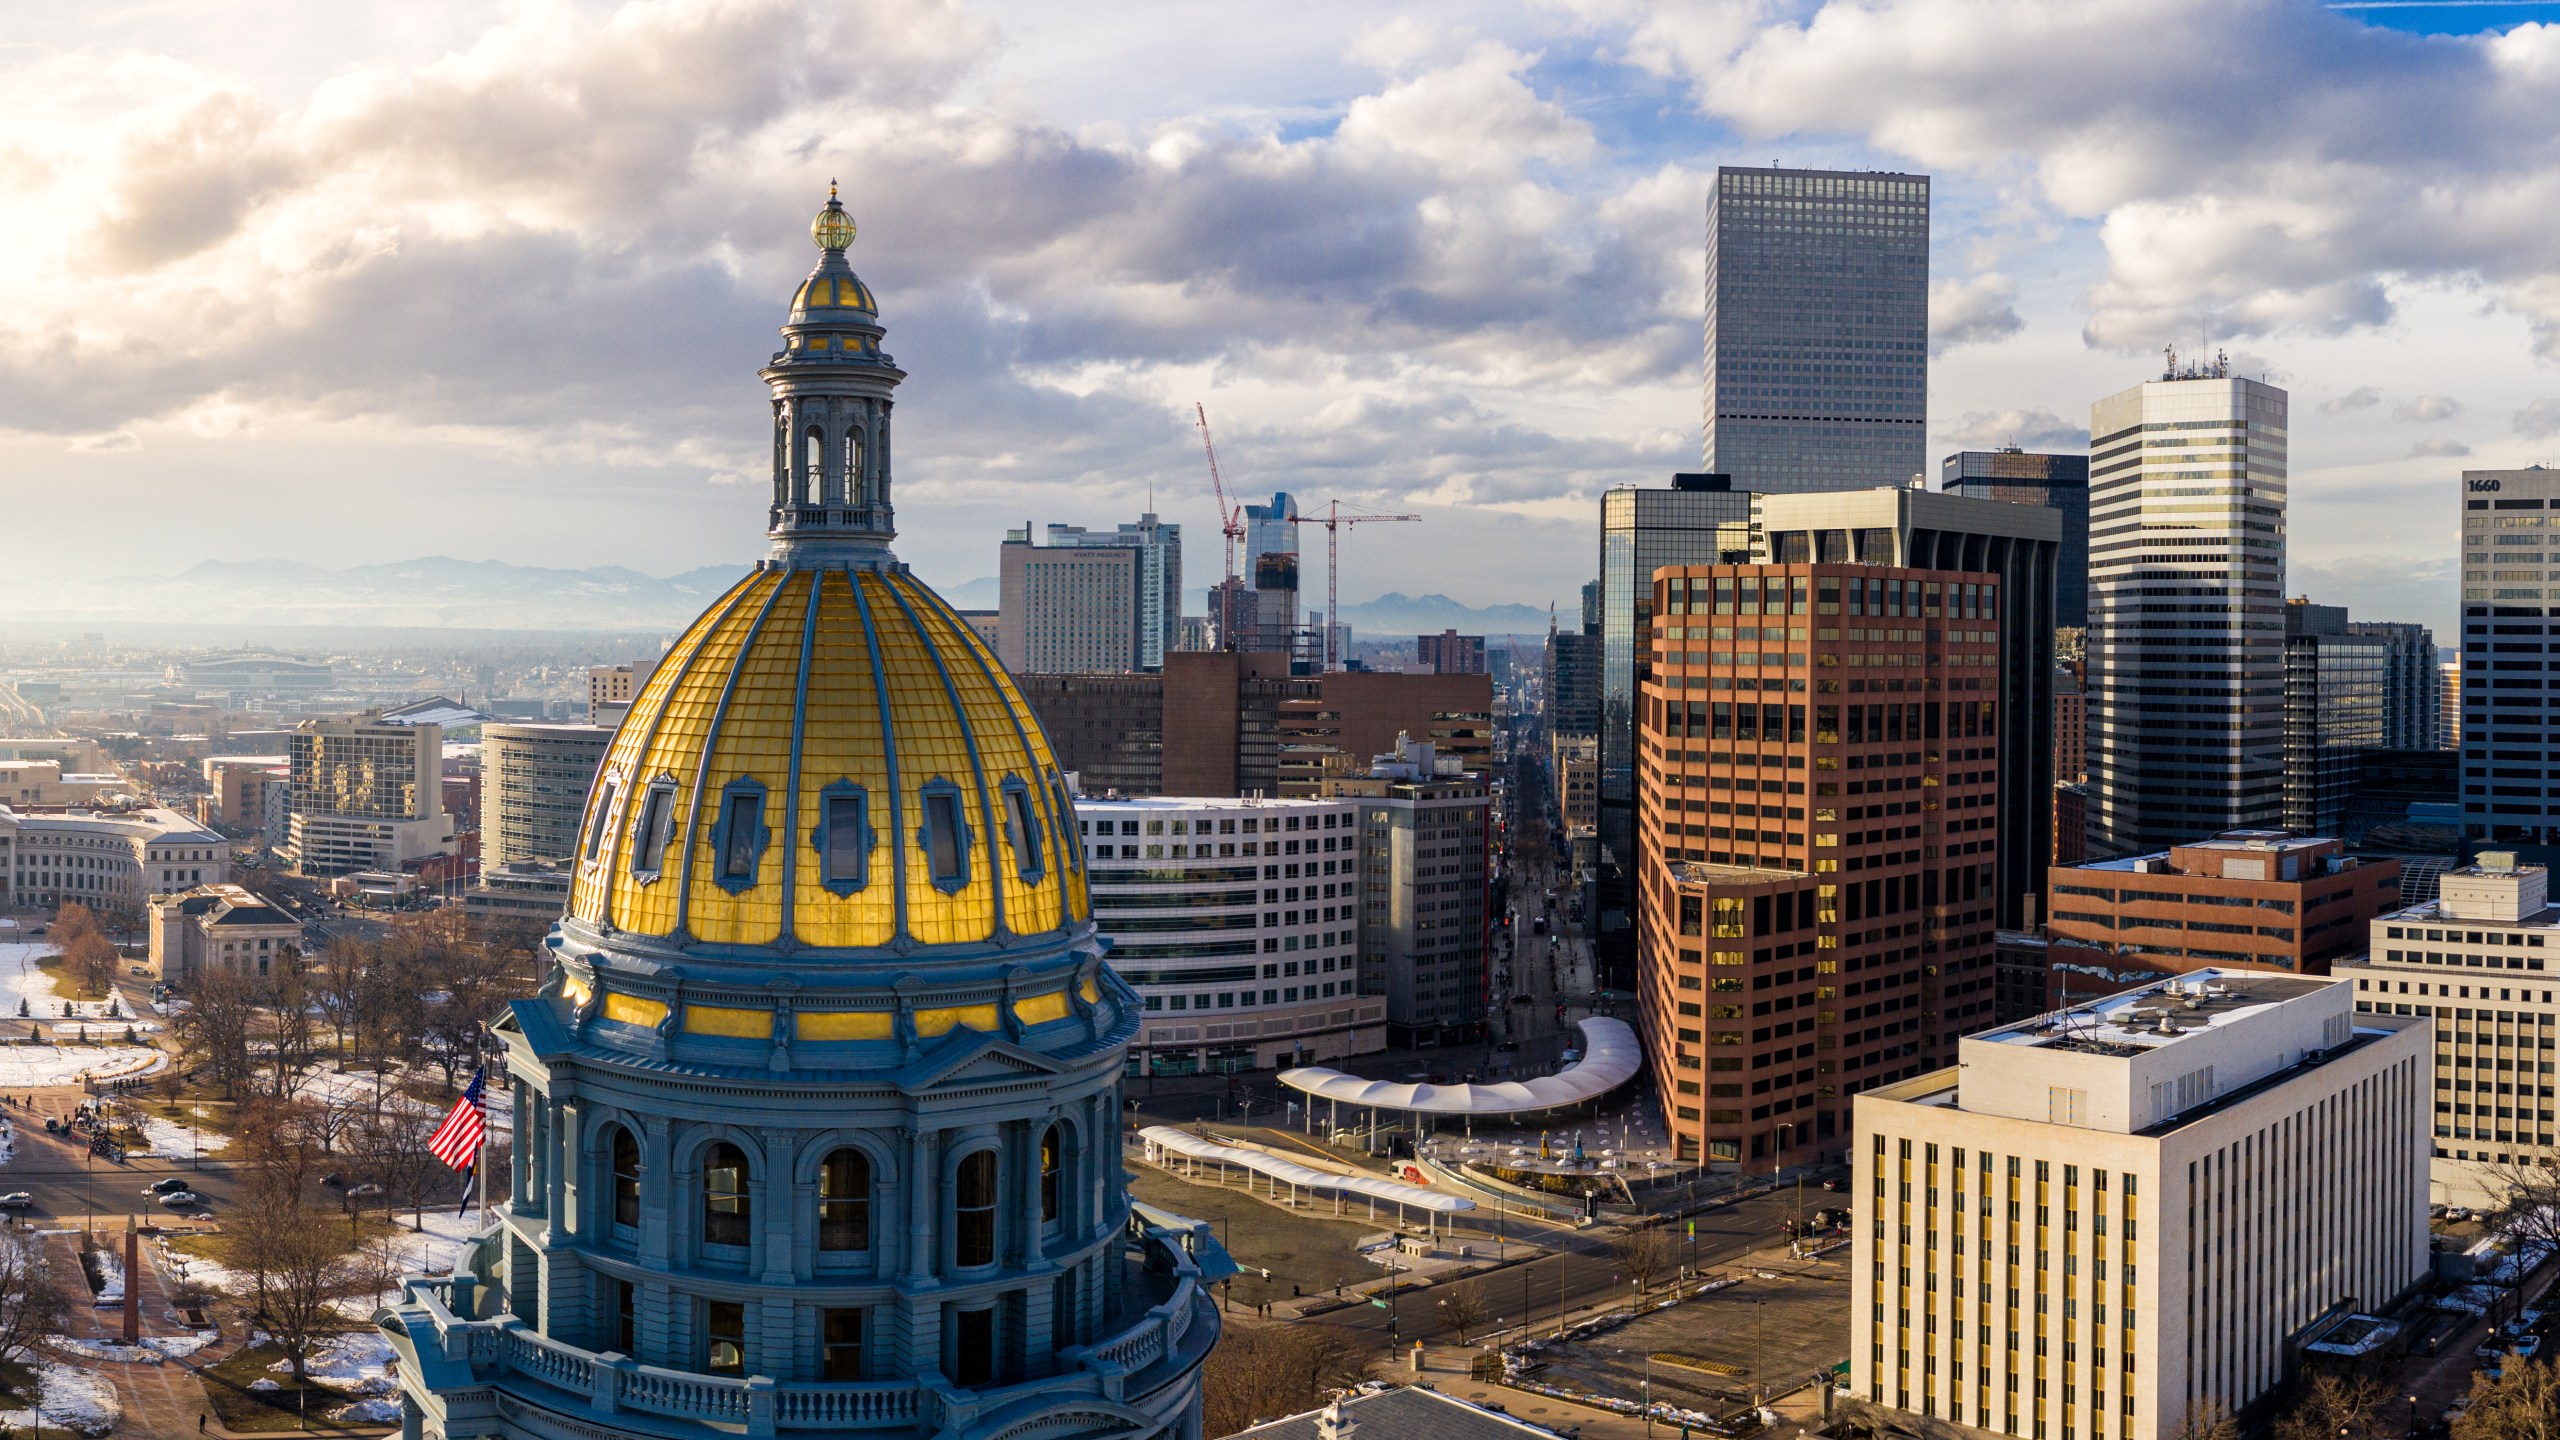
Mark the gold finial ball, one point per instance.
(833, 229)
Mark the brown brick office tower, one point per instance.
(1817, 768)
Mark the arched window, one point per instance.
(1052, 1158)
(626, 1176)
(854, 493)
(725, 1212)
(844, 1201)
(973, 1229)
(813, 466)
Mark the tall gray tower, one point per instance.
(817, 1118)
(1817, 328)
(2186, 608)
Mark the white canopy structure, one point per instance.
(1611, 1059)
(1282, 1171)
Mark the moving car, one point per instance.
(16, 1200)
(176, 1198)
(166, 1185)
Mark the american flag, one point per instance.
(457, 1141)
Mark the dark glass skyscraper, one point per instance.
(1701, 520)
(1817, 328)
(2057, 482)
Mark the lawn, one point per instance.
(66, 986)
(241, 1408)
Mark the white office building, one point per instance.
(1238, 922)
(2186, 608)
(2482, 959)
(2110, 1220)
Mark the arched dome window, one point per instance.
(973, 1228)
(625, 1183)
(844, 1201)
(1053, 1147)
(726, 1210)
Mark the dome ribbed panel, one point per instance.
(643, 905)
(1031, 906)
(841, 744)
(753, 743)
(933, 750)
(591, 890)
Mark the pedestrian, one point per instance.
(200, 1418)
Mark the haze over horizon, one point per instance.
(366, 286)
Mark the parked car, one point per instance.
(357, 1192)
(333, 1179)
(16, 1200)
(177, 1198)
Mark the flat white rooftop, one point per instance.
(2155, 1016)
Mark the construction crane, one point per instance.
(1333, 519)
(1230, 524)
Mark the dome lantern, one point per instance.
(831, 385)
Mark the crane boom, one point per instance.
(1230, 525)
(1333, 520)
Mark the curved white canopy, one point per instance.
(1305, 1177)
(1611, 1059)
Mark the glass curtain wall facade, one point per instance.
(2508, 532)
(1700, 521)
(2334, 691)
(2057, 482)
(2186, 609)
(1817, 346)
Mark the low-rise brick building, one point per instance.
(2266, 899)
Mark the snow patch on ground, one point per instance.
(114, 1352)
(31, 1067)
(368, 1412)
(110, 1267)
(179, 1347)
(168, 1137)
(356, 1363)
(69, 1399)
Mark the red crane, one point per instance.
(1230, 524)
(1333, 520)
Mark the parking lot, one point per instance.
(1775, 1333)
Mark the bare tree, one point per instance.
(391, 1147)
(1264, 1371)
(1642, 1254)
(2527, 1199)
(215, 1028)
(309, 1268)
(90, 960)
(2333, 1406)
(31, 1305)
(1461, 1308)
(2208, 1421)
(2523, 1403)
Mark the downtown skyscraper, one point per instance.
(1817, 364)
(2186, 608)
(2509, 723)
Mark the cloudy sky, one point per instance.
(365, 282)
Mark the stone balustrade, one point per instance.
(502, 1349)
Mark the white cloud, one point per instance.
(2438, 446)
(2363, 397)
(2026, 429)
(1965, 312)
(2427, 407)
(2539, 419)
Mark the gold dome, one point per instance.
(831, 758)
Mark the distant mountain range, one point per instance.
(434, 592)
(1399, 614)
(439, 592)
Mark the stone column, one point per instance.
(559, 1156)
(657, 1193)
